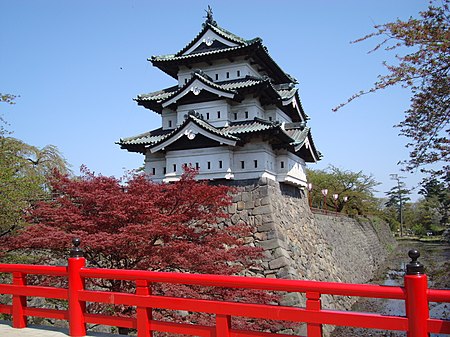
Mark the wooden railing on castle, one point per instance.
(415, 294)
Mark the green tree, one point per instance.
(23, 175)
(397, 198)
(425, 71)
(437, 194)
(356, 187)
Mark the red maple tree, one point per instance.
(134, 223)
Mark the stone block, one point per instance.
(265, 227)
(235, 218)
(232, 208)
(240, 205)
(279, 262)
(272, 244)
(267, 218)
(263, 191)
(246, 196)
(267, 209)
(261, 236)
(281, 252)
(265, 200)
(244, 217)
(249, 204)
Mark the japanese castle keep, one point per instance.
(233, 114)
(236, 116)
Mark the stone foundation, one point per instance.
(301, 245)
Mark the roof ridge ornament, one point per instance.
(209, 17)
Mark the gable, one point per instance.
(195, 88)
(209, 41)
(190, 132)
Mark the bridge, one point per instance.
(415, 294)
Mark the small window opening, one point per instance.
(238, 73)
(185, 80)
(246, 114)
(270, 118)
(235, 116)
(197, 166)
(164, 170)
(207, 115)
(256, 163)
(217, 77)
(174, 167)
(153, 170)
(209, 165)
(218, 114)
(170, 124)
(228, 74)
(242, 164)
(220, 164)
(282, 164)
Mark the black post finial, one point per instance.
(76, 250)
(209, 16)
(414, 267)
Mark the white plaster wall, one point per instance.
(218, 71)
(169, 117)
(206, 109)
(201, 158)
(155, 162)
(251, 105)
(277, 115)
(293, 170)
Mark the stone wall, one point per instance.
(301, 245)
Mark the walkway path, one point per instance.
(42, 331)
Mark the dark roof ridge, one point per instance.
(220, 31)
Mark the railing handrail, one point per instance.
(244, 282)
(415, 293)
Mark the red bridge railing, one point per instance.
(415, 293)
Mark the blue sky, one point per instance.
(77, 65)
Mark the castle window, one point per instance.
(235, 116)
(228, 74)
(218, 114)
(242, 164)
(217, 77)
(207, 115)
(282, 164)
(209, 165)
(256, 163)
(174, 167)
(153, 170)
(270, 118)
(164, 170)
(197, 166)
(185, 80)
(246, 114)
(170, 124)
(238, 73)
(220, 164)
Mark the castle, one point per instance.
(234, 114)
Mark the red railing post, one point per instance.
(77, 326)
(313, 303)
(223, 326)
(144, 314)
(19, 302)
(416, 302)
